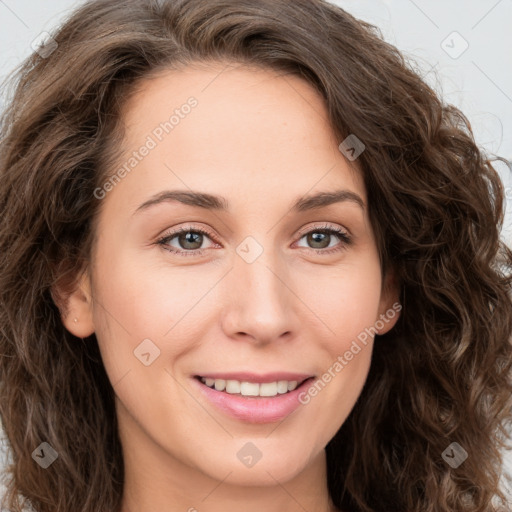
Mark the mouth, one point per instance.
(252, 389)
(251, 398)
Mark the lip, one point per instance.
(254, 409)
(254, 377)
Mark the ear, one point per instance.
(75, 306)
(389, 306)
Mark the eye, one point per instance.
(321, 238)
(190, 240)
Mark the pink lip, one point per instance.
(253, 377)
(255, 409)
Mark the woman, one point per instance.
(249, 261)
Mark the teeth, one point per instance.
(292, 385)
(220, 385)
(232, 386)
(251, 388)
(282, 386)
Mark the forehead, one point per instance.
(250, 128)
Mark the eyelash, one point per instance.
(343, 235)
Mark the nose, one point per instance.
(260, 305)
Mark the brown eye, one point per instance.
(189, 240)
(320, 239)
(191, 237)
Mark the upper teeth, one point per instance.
(251, 388)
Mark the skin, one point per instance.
(261, 140)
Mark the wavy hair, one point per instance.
(436, 205)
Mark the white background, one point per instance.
(478, 81)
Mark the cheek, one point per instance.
(346, 299)
(139, 301)
(143, 320)
(347, 302)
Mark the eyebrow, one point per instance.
(219, 203)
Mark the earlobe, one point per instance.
(76, 307)
(390, 307)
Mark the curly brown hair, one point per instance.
(436, 203)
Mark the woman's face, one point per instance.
(264, 295)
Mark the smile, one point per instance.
(253, 399)
(244, 388)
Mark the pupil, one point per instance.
(189, 238)
(315, 239)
